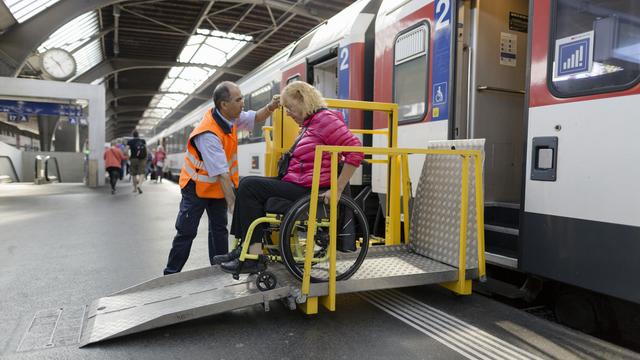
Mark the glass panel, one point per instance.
(23, 10)
(259, 99)
(410, 73)
(595, 46)
(410, 89)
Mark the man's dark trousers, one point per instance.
(191, 209)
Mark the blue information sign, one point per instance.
(441, 61)
(573, 57)
(574, 54)
(19, 111)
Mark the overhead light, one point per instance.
(24, 10)
(209, 47)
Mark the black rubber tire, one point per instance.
(286, 229)
(266, 280)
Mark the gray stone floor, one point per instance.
(64, 245)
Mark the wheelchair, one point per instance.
(284, 240)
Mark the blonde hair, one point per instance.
(310, 99)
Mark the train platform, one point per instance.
(65, 245)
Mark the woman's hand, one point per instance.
(326, 196)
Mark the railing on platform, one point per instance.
(398, 184)
(41, 169)
(9, 164)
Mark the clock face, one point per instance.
(58, 64)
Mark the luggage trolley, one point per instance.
(445, 240)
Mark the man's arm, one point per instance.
(228, 190)
(265, 111)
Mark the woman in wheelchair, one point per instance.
(318, 126)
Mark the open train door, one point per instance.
(491, 65)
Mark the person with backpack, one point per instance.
(138, 150)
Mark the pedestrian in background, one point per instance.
(158, 162)
(138, 157)
(113, 158)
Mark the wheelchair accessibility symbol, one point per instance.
(440, 93)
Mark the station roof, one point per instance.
(159, 59)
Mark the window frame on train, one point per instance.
(583, 86)
(411, 60)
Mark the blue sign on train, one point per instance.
(343, 78)
(574, 54)
(441, 61)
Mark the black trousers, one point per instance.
(114, 174)
(191, 209)
(253, 192)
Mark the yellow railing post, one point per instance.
(329, 301)
(270, 153)
(311, 230)
(406, 195)
(482, 271)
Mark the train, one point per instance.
(549, 84)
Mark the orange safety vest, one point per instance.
(193, 168)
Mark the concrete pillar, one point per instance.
(46, 128)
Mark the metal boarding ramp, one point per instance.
(438, 246)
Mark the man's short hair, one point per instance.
(222, 92)
(135, 133)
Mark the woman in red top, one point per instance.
(319, 126)
(158, 162)
(113, 158)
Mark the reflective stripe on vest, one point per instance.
(200, 164)
(200, 177)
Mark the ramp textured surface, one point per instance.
(173, 299)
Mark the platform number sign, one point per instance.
(441, 61)
(343, 78)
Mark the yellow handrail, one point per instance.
(398, 182)
(461, 286)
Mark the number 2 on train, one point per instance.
(442, 9)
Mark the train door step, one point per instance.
(176, 298)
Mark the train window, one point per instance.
(595, 47)
(259, 99)
(293, 78)
(256, 100)
(410, 70)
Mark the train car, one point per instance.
(550, 85)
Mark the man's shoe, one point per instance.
(246, 267)
(139, 191)
(231, 255)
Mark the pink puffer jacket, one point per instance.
(325, 127)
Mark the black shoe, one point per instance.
(245, 267)
(113, 191)
(231, 255)
(139, 191)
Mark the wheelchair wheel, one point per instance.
(352, 228)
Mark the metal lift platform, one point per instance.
(208, 291)
(433, 256)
